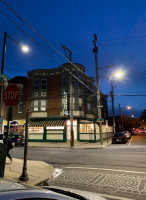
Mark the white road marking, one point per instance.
(113, 170)
(130, 141)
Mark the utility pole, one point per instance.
(71, 98)
(113, 108)
(121, 117)
(95, 51)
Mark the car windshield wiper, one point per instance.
(67, 193)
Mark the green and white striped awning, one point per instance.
(46, 123)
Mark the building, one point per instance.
(46, 94)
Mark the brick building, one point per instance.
(46, 93)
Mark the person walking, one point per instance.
(9, 146)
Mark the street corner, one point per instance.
(38, 171)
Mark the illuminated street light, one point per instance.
(24, 48)
(132, 116)
(128, 107)
(117, 75)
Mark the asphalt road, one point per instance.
(116, 172)
(130, 156)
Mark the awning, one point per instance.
(46, 123)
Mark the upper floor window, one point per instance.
(44, 84)
(80, 102)
(43, 105)
(64, 81)
(20, 107)
(88, 106)
(36, 84)
(35, 105)
(22, 89)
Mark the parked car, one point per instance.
(128, 134)
(10, 190)
(119, 138)
(17, 140)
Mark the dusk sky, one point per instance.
(120, 26)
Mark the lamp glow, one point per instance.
(24, 48)
(128, 107)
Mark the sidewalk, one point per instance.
(77, 145)
(37, 171)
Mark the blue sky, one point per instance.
(120, 26)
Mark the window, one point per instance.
(64, 81)
(44, 84)
(20, 107)
(36, 85)
(43, 94)
(35, 105)
(43, 105)
(36, 94)
(80, 102)
(88, 106)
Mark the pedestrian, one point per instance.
(9, 146)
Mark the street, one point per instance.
(118, 170)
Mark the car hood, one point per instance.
(7, 185)
(85, 194)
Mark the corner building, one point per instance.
(48, 99)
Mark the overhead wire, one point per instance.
(35, 31)
(90, 28)
(44, 49)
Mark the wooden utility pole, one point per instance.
(121, 117)
(113, 107)
(95, 51)
(71, 98)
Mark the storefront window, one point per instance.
(36, 129)
(86, 128)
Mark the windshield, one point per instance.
(73, 78)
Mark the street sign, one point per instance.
(11, 95)
(100, 120)
(99, 106)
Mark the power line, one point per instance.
(81, 13)
(130, 95)
(44, 49)
(35, 31)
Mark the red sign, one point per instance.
(11, 95)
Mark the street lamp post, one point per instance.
(24, 49)
(24, 175)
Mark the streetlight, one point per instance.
(25, 49)
(117, 75)
(128, 107)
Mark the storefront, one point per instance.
(88, 131)
(47, 131)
